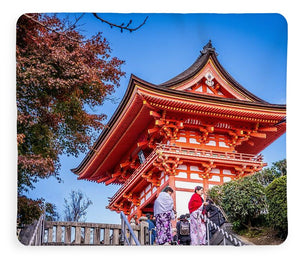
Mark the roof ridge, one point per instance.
(201, 60)
(208, 48)
(207, 52)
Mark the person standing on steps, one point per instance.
(151, 228)
(197, 225)
(215, 215)
(183, 230)
(164, 213)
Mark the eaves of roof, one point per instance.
(161, 89)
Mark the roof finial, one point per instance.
(208, 47)
(209, 44)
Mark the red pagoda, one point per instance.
(199, 128)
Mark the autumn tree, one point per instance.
(61, 76)
(30, 210)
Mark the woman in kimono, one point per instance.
(163, 212)
(198, 229)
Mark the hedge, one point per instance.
(276, 194)
(243, 200)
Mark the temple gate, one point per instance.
(199, 128)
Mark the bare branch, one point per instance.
(122, 27)
(53, 30)
(74, 25)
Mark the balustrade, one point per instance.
(209, 153)
(81, 233)
(232, 157)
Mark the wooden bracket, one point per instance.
(205, 130)
(167, 164)
(133, 198)
(207, 169)
(151, 177)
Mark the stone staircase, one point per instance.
(228, 238)
(55, 233)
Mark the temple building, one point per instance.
(199, 128)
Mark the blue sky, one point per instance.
(251, 47)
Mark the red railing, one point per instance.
(233, 156)
(189, 152)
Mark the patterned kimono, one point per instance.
(163, 228)
(198, 228)
(163, 212)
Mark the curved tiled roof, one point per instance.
(208, 52)
(169, 88)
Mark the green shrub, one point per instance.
(243, 200)
(277, 205)
(266, 176)
(215, 193)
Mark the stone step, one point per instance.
(218, 238)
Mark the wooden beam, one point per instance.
(124, 164)
(239, 169)
(155, 114)
(116, 174)
(103, 179)
(110, 181)
(153, 130)
(159, 122)
(268, 129)
(258, 135)
(140, 144)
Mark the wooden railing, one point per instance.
(231, 156)
(81, 233)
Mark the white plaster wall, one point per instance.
(226, 179)
(186, 185)
(182, 201)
